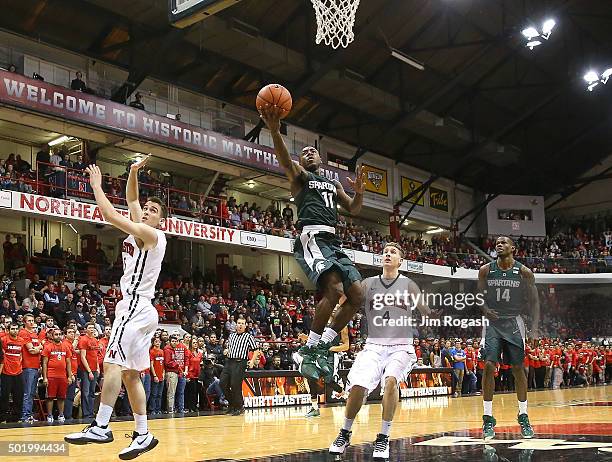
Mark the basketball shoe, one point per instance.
(306, 363)
(139, 444)
(488, 424)
(93, 433)
(342, 442)
(381, 447)
(526, 429)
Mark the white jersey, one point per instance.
(388, 323)
(141, 268)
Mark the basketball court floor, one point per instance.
(571, 425)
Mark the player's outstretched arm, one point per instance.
(483, 272)
(141, 231)
(294, 171)
(352, 205)
(131, 191)
(533, 300)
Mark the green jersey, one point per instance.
(505, 290)
(316, 202)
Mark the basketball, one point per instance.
(274, 95)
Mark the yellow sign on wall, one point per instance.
(438, 199)
(376, 179)
(409, 185)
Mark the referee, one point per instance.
(238, 346)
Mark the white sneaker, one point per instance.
(50, 418)
(90, 434)
(61, 418)
(381, 447)
(139, 444)
(342, 442)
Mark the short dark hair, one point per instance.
(397, 246)
(90, 324)
(162, 206)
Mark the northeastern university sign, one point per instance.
(17, 90)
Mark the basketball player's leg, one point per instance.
(492, 355)
(354, 300)
(516, 356)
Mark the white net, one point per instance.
(335, 21)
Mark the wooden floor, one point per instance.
(268, 432)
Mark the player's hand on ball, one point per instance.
(95, 176)
(141, 163)
(271, 116)
(358, 184)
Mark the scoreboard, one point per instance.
(184, 13)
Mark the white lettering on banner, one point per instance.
(6, 199)
(277, 400)
(429, 391)
(91, 212)
(414, 266)
(253, 239)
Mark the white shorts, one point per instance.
(135, 323)
(377, 362)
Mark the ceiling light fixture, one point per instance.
(593, 78)
(532, 34)
(60, 140)
(397, 54)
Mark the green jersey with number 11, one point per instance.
(316, 202)
(505, 290)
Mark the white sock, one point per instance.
(315, 403)
(386, 427)
(329, 335)
(313, 339)
(523, 407)
(488, 408)
(104, 414)
(141, 424)
(348, 424)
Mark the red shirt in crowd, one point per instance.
(193, 370)
(30, 361)
(91, 347)
(13, 354)
(470, 359)
(102, 345)
(157, 358)
(609, 357)
(176, 358)
(74, 362)
(57, 354)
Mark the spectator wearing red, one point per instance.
(157, 376)
(103, 345)
(57, 373)
(176, 356)
(31, 365)
(88, 368)
(11, 374)
(192, 388)
(71, 341)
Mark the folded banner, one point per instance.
(43, 97)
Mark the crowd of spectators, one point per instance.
(186, 362)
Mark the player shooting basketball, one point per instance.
(505, 282)
(135, 317)
(317, 249)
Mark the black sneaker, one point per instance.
(342, 442)
(139, 444)
(381, 447)
(93, 433)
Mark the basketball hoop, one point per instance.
(335, 21)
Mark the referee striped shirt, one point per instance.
(239, 345)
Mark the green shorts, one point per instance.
(319, 251)
(504, 336)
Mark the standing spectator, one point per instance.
(7, 248)
(192, 390)
(157, 376)
(51, 299)
(57, 374)
(88, 368)
(31, 364)
(137, 103)
(238, 346)
(56, 251)
(174, 363)
(19, 254)
(459, 365)
(77, 83)
(71, 343)
(11, 377)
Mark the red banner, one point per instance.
(47, 98)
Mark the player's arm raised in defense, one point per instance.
(352, 204)
(483, 272)
(532, 299)
(131, 191)
(145, 233)
(295, 172)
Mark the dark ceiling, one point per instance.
(486, 111)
